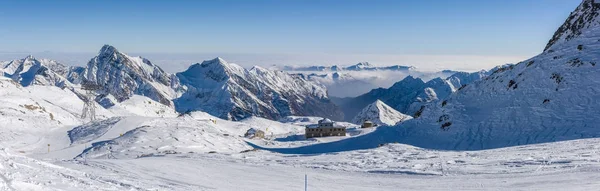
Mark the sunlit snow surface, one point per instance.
(572, 165)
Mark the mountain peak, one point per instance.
(30, 57)
(408, 82)
(379, 102)
(363, 64)
(123, 76)
(108, 49)
(258, 69)
(381, 114)
(217, 60)
(109, 52)
(581, 23)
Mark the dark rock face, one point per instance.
(583, 17)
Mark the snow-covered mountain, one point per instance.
(550, 97)
(238, 92)
(29, 71)
(229, 91)
(380, 114)
(122, 76)
(408, 95)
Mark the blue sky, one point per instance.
(511, 28)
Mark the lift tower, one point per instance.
(89, 108)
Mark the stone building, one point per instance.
(325, 128)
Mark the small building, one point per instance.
(324, 128)
(253, 133)
(368, 124)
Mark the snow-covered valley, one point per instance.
(142, 151)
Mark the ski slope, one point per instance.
(570, 165)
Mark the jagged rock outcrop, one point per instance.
(578, 24)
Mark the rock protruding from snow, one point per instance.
(583, 22)
(380, 114)
(231, 92)
(123, 76)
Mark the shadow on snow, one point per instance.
(381, 135)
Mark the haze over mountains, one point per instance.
(357, 79)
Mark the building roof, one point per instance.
(335, 125)
(325, 121)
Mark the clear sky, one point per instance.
(482, 28)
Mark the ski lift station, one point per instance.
(325, 128)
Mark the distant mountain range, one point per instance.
(215, 86)
(362, 66)
(358, 79)
(409, 94)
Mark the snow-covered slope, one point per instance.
(550, 97)
(138, 105)
(28, 115)
(229, 91)
(167, 136)
(22, 173)
(380, 114)
(36, 115)
(198, 132)
(122, 76)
